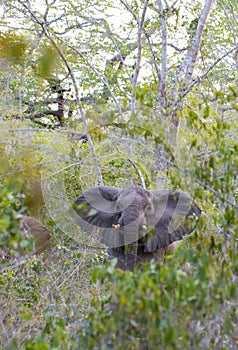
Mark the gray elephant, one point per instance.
(136, 224)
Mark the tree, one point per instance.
(149, 98)
(172, 72)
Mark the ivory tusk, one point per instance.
(144, 227)
(116, 226)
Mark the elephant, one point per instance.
(30, 226)
(134, 223)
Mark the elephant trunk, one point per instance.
(130, 221)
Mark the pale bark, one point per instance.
(162, 88)
(139, 52)
(184, 74)
(202, 77)
(192, 54)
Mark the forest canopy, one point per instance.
(114, 93)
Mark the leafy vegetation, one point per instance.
(11, 205)
(88, 99)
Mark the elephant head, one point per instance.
(127, 217)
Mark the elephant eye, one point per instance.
(149, 209)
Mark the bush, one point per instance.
(11, 207)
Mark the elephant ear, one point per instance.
(97, 205)
(175, 216)
(97, 212)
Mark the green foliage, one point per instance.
(13, 46)
(48, 62)
(164, 305)
(65, 302)
(11, 208)
(182, 301)
(175, 305)
(59, 337)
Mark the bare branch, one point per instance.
(127, 6)
(190, 59)
(201, 77)
(139, 51)
(153, 54)
(174, 3)
(162, 88)
(177, 48)
(192, 54)
(139, 173)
